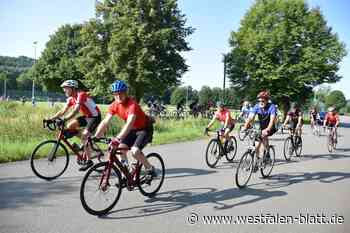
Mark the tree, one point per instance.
(147, 38)
(322, 92)
(204, 95)
(284, 47)
(337, 99)
(58, 61)
(178, 95)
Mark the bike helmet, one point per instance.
(263, 95)
(70, 83)
(331, 109)
(119, 86)
(220, 104)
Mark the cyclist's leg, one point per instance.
(72, 128)
(91, 125)
(142, 138)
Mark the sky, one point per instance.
(22, 22)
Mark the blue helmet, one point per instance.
(119, 86)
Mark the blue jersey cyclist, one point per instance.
(267, 113)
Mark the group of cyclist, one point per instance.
(134, 135)
(268, 117)
(138, 128)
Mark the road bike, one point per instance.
(50, 158)
(292, 144)
(100, 191)
(248, 164)
(218, 147)
(331, 139)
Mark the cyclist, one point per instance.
(224, 116)
(266, 112)
(313, 114)
(332, 120)
(295, 119)
(245, 110)
(81, 102)
(137, 131)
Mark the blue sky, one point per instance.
(24, 21)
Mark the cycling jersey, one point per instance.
(130, 106)
(222, 115)
(294, 115)
(264, 114)
(246, 111)
(313, 114)
(87, 106)
(332, 119)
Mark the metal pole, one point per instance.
(33, 86)
(223, 87)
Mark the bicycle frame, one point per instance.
(113, 159)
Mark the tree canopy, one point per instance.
(284, 47)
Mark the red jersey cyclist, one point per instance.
(224, 116)
(81, 102)
(332, 120)
(138, 128)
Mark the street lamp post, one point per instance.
(33, 86)
(224, 83)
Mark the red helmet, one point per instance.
(263, 95)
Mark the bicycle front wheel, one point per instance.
(330, 143)
(244, 169)
(241, 135)
(149, 186)
(288, 148)
(231, 149)
(97, 195)
(268, 162)
(298, 146)
(213, 153)
(49, 160)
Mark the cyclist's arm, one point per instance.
(249, 120)
(211, 122)
(101, 129)
(287, 120)
(74, 112)
(61, 112)
(338, 122)
(325, 121)
(299, 120)
(127, 127)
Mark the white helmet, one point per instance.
(70, 83)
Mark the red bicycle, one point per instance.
(100, 192)
(50, 158)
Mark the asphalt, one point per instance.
(313, 188)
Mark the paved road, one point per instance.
(317, 183)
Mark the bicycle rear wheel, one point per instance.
(49, 160)
(231, 149)
(268, 162)
(244, 169)
(213, 153)
(97, 197)
(288, 149)
(150, 186)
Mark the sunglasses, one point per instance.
(262, 101)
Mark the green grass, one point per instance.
(21, 129)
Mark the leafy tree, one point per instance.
(58, 61)
(284, 47)
(147, 38)
(322, 93)
(178, 95)
(337, 99)
(204, 95)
